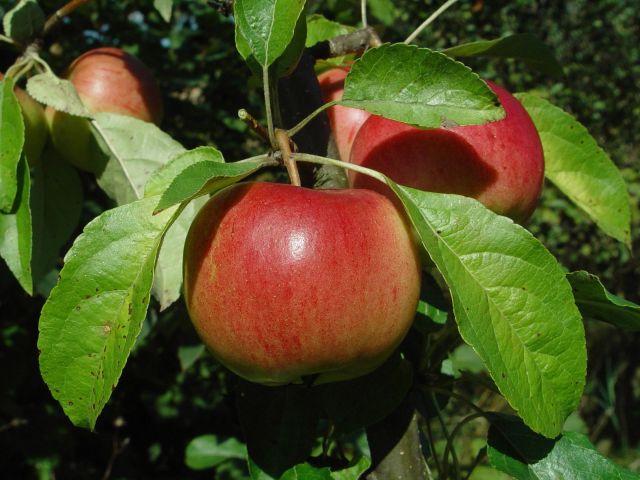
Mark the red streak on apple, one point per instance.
(501, 163)
(283, 282)
(345, 122)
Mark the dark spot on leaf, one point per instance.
(77, 307)
(504, 375)
(70, 402)
(130, 309)
(438, 232)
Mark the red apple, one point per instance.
(107, 80)
(500, 163)
(35, 125)
(283, 282)
(345, 122)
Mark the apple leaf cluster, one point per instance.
(510, 300)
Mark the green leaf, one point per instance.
(518, 451)
(279, 424)
(92, 318)
(304, 471)
(167, 282)
(23, 21)
(286, 63)
(56, 205)
(356, 468)
(320, 29)
(189, 354)
(204, 178)
(580, 168)
(134, 150)
(384, 10)
(530, 336)
(164, 7)
(16, 232)
(420, 87)
(162, 178)
(595, 302)
(267, 25)
(11, 143)
(522, 46)
(58, 93)
(348, 404)
(206, 451)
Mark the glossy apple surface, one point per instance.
(108, 80)
(35, 125)
(282, 282)
(500, 163)
(345, 122)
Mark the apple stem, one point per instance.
(67, 9)
(303, 123)
(306, 157)
(254, 125)
(363, 12)
(429, 21)
(267, 103)
(284, 144)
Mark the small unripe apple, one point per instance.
(500, 163)
(283, 282)
(35, 125)
(345, 122)
(107, 80)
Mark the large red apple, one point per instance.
(345, 122)
(282, 282)
(499, 163)
(107, 80)
(35, 125)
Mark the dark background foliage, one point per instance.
(169, 394)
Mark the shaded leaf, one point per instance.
(580, 168)
(135, 150)
(522, 46)
(279, 425)
(167, 282)
(595, 302)
(518, 451)
(420, 87)
(349, 404)
(23, 21)
(16, 232)
(530, 337)
(56, 204)
(206, 451)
